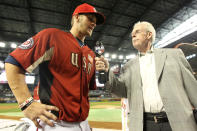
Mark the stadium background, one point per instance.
(21, 19)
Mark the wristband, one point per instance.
(25, 104)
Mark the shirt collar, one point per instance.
(80, 42)
(140, 54)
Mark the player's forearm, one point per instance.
(16, 80)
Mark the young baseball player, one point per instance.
(67, 72)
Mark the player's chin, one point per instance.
(89, 33)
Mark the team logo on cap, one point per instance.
(27, 44)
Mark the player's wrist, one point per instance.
(26, 103)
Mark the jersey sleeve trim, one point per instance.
(46, 57)
(10, 59)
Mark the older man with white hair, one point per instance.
(158, 83)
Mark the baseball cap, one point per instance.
(86, 8)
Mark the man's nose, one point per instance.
(133, 35)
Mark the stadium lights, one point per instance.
(114, 56)
(130, 56)
(120, 57)
(191, 56)
(184, 29)
(2, 44)
(13, 45)
(106, 55)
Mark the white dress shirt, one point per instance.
(152, 98)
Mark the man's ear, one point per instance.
(77, 18)
(149, 35)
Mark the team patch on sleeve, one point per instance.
(27, 44)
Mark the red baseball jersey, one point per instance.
(36, 93)
(67, 71)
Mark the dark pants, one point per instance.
(151, 124)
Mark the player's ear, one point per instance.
(78, 18)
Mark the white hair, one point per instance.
(150, 28)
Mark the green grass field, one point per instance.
(99, 111)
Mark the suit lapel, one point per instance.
(136, 66)
(136, 69)
(160, 57)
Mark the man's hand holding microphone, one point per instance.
(102, 64)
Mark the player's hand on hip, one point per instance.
(102, 64)
(40, 111)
